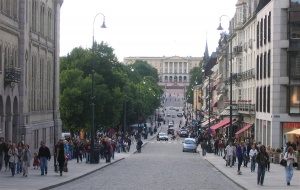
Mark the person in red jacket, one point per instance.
(87, 151)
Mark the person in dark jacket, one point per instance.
(240, 151)
(204, 147)
(61, 157)
(44, 155)
(139, 145)
(2, 151)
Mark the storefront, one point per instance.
(288, 128)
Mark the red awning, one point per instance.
(206, 122)
(220, 124)
(229, 124)
(247, 126)
(215, 104)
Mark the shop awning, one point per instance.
(215, 104)
(220, 124)
(229, 124)
(247, 126)
(295, 132)
(206, 122)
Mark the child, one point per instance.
(36, 162)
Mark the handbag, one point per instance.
(65, 169)
(283, 162)
(295, 164)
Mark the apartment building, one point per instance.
(262, 51)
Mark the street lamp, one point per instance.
(92, 157)
(230, 96)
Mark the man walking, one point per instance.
(240, 155)
(204, 147)
(229, 154)
(44, 155)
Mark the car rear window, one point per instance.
(189, 142)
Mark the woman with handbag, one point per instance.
(26, 157)
(262, 158)
(61, 157)
(290, 159)
(13, 158)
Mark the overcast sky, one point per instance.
(145, 27)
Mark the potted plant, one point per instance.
(276, 156)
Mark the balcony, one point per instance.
(12, 75)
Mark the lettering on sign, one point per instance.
(291, 125)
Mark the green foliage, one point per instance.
(114, 84)
(196, 79)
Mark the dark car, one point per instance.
(179, 115)
(183, 133)
(171, 131)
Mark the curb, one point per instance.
(83, 175)
(242, 187)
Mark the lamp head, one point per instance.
(220, 27)
(103, 24)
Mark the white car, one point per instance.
(162, 136)
(189, 144)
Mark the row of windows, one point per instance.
(9, 8)
(263, 99)
(263, 66)
(263, 31)
(8, 57)
(38, 16)
(37, 140)
(40, 77)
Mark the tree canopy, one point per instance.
(114, 84)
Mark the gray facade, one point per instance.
(29, 71)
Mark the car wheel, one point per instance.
(182, 150)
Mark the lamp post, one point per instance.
(92, 157)
(230, 96)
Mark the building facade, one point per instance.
(262, 50)
(171, 70)
(29, 71)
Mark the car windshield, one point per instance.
(162, 134)
(189, 142)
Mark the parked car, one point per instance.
(162, 136)
(168, 115)
(183, 133)
(170, 124)
(189, 144)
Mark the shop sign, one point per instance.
(291, 125)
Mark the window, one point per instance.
(294, 62)
(264, 99)
(265, 65)
(8, 7)
(294, 25)
(15, 10)
(260, 67)
(294, 100)
(257, 67)
(257, 35)
(268, 99)
(49, 24)
(269, 63)
(260, 99)
(0, 59)
(44, 135)
(257, 98)
(261, 33)
(265, 29)
(36, 139)
(34, 16)
(269, 27)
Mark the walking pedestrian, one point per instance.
(270, 153)
(44, 155)
(139, 146)
(2, 151)
(13, 158)
(240, 155)
(252, 155)
(25, 158)
(71, 149)
(61, 157)
(261, 159)
(19, 162)
(6, 156)
(290, 158)
(128, 143)
(204, 147)
(229, 154)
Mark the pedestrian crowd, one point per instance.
(17, 158)
(255, 154)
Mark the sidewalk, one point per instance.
(275, 179)
(76, 170)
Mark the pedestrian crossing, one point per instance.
(166, 142)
